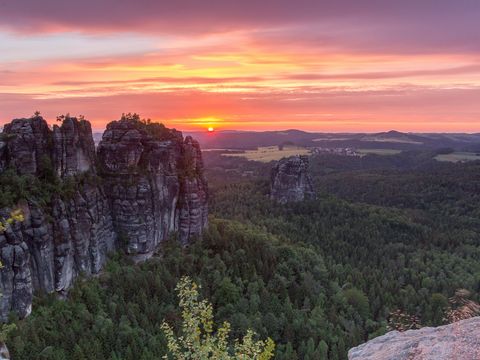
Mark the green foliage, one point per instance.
(318, 277)
(358, 300)
(15, 216)
(200, 341)
(280, 291)
(42, 188)
(156, 130)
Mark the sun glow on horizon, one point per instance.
(254, 74)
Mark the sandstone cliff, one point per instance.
(144, 183)
(291, 181)
(154, 182)
(459, 341)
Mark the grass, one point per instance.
(271, 153)
(364, 152)
(458, 157)
(401, 140)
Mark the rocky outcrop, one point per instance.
(3, 160)
(69, 233)
(4, 353)
(154, 182)
(150, 183)
(291, 181)
(74, 149)
(460, 340)
(193, 205)
(28, 144)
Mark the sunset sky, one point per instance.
(253, 64)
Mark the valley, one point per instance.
(318, 276)
(239, 180)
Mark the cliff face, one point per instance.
(27, 142)
(3, 160)
(291, 181)
(460, 340)
(74, 149)
(144, 190)
(154, 182)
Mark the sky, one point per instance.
(332, 66)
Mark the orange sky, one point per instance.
(321, 70)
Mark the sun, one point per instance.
(210, 129)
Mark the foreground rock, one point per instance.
(457, 341)
(150, 183)
(291, 181)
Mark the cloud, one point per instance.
(456, 70)
(166, 80)
(411, 108)
(368, 25)
(252, 63)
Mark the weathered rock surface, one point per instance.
(74, 149)
(291, 181)
(28, 144)
(459, 341)
(3, 160)
(149, 186)
(4, 353)
(154, 183)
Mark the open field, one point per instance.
(332, 139)
(458, 157)
(402, 140)
(271, 153)
(379, 151)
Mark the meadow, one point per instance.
(271, 153)
(364, 152)
(458, 157)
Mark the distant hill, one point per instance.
(251, 139)
(244, 140)
(383, 140)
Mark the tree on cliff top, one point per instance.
(198, 339)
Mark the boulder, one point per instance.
(459, 341)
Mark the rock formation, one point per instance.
(4, 353)
(74, 149)
(3, 160)
(154, 182)
(28, 142)
(291, 181)
(460, 340)
(149, 183)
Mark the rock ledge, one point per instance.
(458, 341)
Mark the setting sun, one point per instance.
(211, 129)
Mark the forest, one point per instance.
(385, 235)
